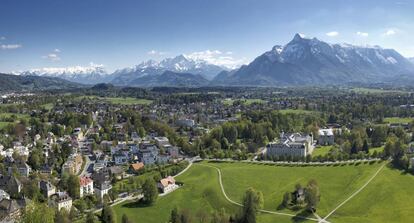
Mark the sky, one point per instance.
(121, 33)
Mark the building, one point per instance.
(10, 184)
(46, 188)
(294, 144)
(9, 210)
(73, 165)
(21, 167)
(60, 200)
(136, 167)
(120, 158)
(86, 186)
(161, 141)
(4, 195)
(185, 122)
(148, 154)
(326, 137)
(102, 188)
(166, 185)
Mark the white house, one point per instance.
(326, 137)
(86, 186)
(167, 184)
(161, 141)
(60, 200)
(185, 122)
(102, 188)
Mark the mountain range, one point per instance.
(302, 61)
(10, 82)
(306, 61)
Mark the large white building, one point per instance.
(326, 137)
(60, 200)
(294, 144)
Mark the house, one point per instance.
(326, 137)
(116, 172)
(77, 134)
(185, 122)
(148, 154)
(46, 188)
(102, 188)
(161, 141)
(60, 200)
(136, 167)
(86, 186)
(73, 165)
(10, 184)
(294, 144)
(9, 210)
(120, 158)
(21, 167)
(45, 169)
(173, 151)
(4, 195)
(166, 185)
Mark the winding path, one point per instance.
(354, 194)
(261, 210)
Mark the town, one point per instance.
(83, 156)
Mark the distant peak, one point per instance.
(298, 36)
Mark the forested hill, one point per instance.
(10, 82)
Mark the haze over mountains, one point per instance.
(302, 61)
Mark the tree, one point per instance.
(125, 219)
(107, 215)
(312, 195)
(175, 217)
(286, 199)
(73, 185)
(150, 191)
(365, 147)
(90, 218)
(252, 202)
(38, 213)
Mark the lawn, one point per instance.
(397, 120)
(387, 199)
(336, 183)
(201, 189)
(321, 150)
(8, 115)
(378, 149)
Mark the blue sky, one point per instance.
(122, 33)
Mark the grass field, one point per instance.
(8, 115)
(387, 199)
(378, 149)
(321, 150)
(397, 120)
(201, 189)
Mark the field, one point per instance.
(387, 199)
(201, 189)
(321, 150)
(375, 91)
(397, 120)
(8, 115)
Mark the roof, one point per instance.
(325, 132)
(166, 181)
(83, 181)
(137, 166)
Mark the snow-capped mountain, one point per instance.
(92, 74)
(178, 64)
(306, 61)
(411, 59)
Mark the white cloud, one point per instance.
(52, 57)
(363, 34)
(56, 50)
(156, 53)
(65, 70)
(332, 34)
(217, 57)
(390, 32)
(10, 46)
